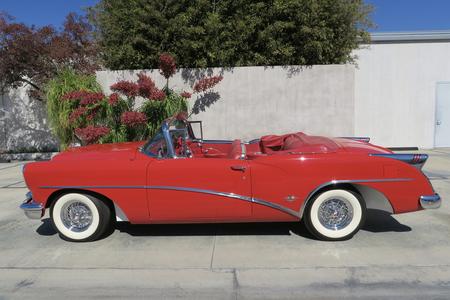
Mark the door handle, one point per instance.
(438, 123)
(238, 168)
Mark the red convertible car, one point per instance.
(176, 177)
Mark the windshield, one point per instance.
(169, 140)
(157, 145)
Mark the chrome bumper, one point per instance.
(32, 209)
(432, 201)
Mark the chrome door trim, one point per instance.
(92, 187)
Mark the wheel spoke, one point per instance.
(76, 216)
(335, 213)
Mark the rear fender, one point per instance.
(373, 198)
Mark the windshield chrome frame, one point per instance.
(166, 134)
(169, 144)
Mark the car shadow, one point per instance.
(221, 229)
(46, 228)
(382, 221)
(376, 221)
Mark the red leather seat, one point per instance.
(236, 150)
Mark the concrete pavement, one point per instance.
(402, 256)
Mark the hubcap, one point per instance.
(76, 216)
(335, 213)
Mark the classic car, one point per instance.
(178, 177)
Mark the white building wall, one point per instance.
(395, 92)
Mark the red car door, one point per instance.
(198, 189)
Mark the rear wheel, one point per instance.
(335, 215)
(80, 217)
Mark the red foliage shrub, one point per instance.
(182, 116)
(91, 98)
(77, 114)
(206, 83)
(85, 97)
(157, 95)
(128, 88)
(92, 113)
(113, 99)
(186, 95)
(133, 118)
(145, 85)
(75, 95)
(91, 134)
(167, 66)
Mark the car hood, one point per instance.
(101, 151)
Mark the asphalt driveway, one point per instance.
(403, 256)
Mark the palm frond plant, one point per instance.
(58, 111)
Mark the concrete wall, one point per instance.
(395, 91)
(23, 123)
(253, 101)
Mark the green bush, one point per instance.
(58, 111)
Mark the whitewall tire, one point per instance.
(79, 217)
(335, 215)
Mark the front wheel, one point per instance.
(80, 217)
(335, 215)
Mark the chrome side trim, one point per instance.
(364, 139)
(416, 160)
(92, 187)
(120, 215)
(229, 195)
(195, 190)
(186, 189)
(430, 202)
(277, 206)
(334, 182)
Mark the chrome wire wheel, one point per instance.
(76, 216)
(335, 213)
(80, 217)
